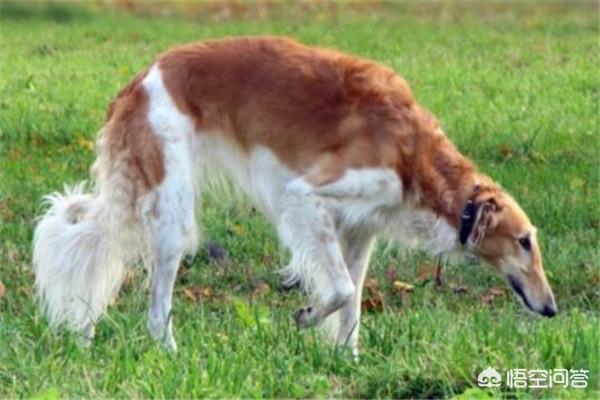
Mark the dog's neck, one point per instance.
(443, 179)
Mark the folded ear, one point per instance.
(484, 221)
(467, 221)
(476, 219)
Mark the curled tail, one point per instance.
(79, 261)
(81, 248)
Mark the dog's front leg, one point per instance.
(358, 198)
(357, 251)
(306, 227)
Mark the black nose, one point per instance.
(549, 311)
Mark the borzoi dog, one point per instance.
(332, 148)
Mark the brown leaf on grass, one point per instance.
(372, 304)
(5, 210)
(12, 253)
(267, 260)
(85, 143)
(371, 285)
(400, 286)
(260, 289)
(15, 153)
(197, 292)
(505, 150)
(491, 294)
(425, 271)
(404, 290)
(237, 229)
(497, 291)
(372, 296)
(190, 294)
(2, 289)
(595, 278)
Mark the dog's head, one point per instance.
(495, 227)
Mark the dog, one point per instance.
(332, 148)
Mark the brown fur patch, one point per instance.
(303, 103)
(130, 139)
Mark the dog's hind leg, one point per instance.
(168, 211)
(307, 228)
(173, 232)
(167, 256)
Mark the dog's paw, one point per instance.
(170, 345)
(305, 317)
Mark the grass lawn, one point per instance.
(516, 88)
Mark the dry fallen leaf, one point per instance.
(261, 289)
(267, 260)
(400, 286)
(505, 150)
(198, 292)
(12, 253)
(497, 291)
(2, 289)
(372, 304)
(371, 284)
(189, 293)
(237, 229)
(490, 294)
(85, 143)
(404, 290)
(372, 298)
(424, 272)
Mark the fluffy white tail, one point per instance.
(79, 258)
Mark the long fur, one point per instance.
(81, 248)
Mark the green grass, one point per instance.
(516, 89)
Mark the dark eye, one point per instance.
(525, 243)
